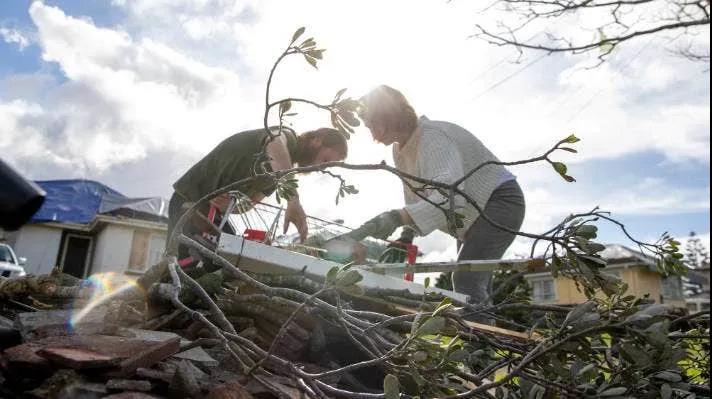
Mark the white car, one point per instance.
(10, 265)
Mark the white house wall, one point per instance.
(40, 245)
(112, 249)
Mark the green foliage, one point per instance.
(286, 187)
(444, 281)
(345, 189)
(390, 387)
(344, 116)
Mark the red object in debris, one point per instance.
(255, 235)
(411, 254)
(211, 213)
(186, 261)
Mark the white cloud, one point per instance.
(10, 35)
(124, 97)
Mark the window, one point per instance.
(543, 290)
(672, 288)
(146, 249)
(156, 247)
(6, 255)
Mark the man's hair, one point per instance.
(328, 137)
(388, 107)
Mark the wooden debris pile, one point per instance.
(58, 341)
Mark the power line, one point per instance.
(597, 93)
(510, 76)
(498, 63)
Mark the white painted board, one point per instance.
(260, 258)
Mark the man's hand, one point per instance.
(295, 215)
(221, 202)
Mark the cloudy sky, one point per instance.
(132, 92)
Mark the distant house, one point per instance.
(85, 227)
(636, 269)
(697, 296)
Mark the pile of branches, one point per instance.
(330, 338)
(289, 335)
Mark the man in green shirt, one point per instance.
(234, 159)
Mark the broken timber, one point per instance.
(260, 258)
(459, 266)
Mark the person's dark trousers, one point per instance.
(483, 241)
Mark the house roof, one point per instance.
(80, 201)
(616, 253)
(699, 276)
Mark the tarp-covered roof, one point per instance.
(79, 201)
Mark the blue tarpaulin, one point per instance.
(79, 201)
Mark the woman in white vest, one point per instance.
(444, 152)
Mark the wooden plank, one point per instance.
(483, 327)
(260, 258)
(467, 266)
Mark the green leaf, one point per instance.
(297, 33)
(617, 391)
(426, 283)
(311, 60)
(668, 376)
(560, 168)
(587, 230)
(390, 387)
(416, 323)
(418, 378)
(665, 391)
(348, 278)
(331, 274)
(585, 369)
(431, 326)
(594, 248)
(444, 305)
(577, 312)
(571, 139)
(338, 95)
(318, 54)
(639, 357)
(569, 149)
(349, 118)
(307, 44)
(420, 356)
(458, 356)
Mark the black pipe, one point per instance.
(19, 198)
